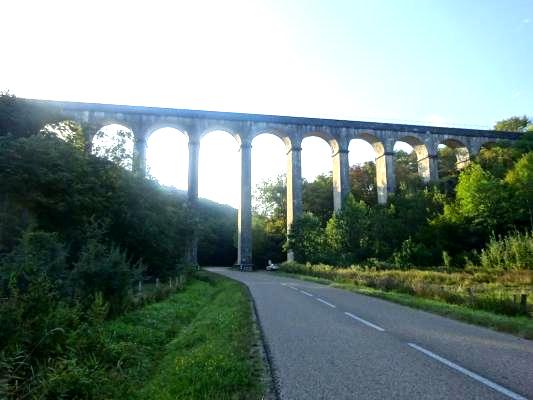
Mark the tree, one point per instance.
(19, 118)
(271, 198)
(520, 181)
(406, 170)
(117, 147)
(514, 124)
(347, 232)
(363, 182)
(497, 159)
(481, 198)
(317, 197)
(525, 143)
(269, 240)
(306, 239)
(269, 221)
(216, 245)
(447, 162)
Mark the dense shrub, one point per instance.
(514, 251)
(306, 239)
(76, 231)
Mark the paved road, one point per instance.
(327, 343)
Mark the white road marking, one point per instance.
(364, 321)
(471, 374)
(326, 302)
(306, 293)
(292, 287)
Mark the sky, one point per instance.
(441, 62)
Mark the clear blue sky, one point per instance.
(454, 63)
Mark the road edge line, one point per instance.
(473, 375)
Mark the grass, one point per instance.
(493, 290)
(518, 325)
(197, 344)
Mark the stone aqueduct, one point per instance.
(143, 121)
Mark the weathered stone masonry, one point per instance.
(143, 121)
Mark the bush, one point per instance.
(410, 254)
(104, 269)
(306, 239)
(514, 251)
(479, 290)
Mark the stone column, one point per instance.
(245, 210)
(428, 168)
(294, 189)
(194, 152)
(139, 154)
(192, 197)
(385, 178)
(341, 178)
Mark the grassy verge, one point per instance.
(520, 326)
(197, 344)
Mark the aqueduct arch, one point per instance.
(462, 153)
(244, 127)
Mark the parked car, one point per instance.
(271, 266)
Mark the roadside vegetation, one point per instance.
(462, 243)
(91, 259)
(197, 343)
(213, 356)
(510, 317)
(518, 324)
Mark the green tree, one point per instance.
(363, 182)
(317, 197)
(218, 225)
(117, 147)
(18, 118)
(271, 199)
(481, 200)
(497, 159)
(306, 239)
(525, 143)
(347, 232)
(269, 240)
(520, 181)
(514, 124)
(63, 190)
(447, 162)
(406, 170)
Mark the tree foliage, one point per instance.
(514, 124)
(448, 222)
(76, 231)
(19, 118)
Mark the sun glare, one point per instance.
(167, 157)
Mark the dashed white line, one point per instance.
(364, 321)
(306, 293)
(326, 302)
(292, 287)
(469, 373)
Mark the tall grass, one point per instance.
(195, 344)
(483, 290)
(511, 252)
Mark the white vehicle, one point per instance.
(271, 266)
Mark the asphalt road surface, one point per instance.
(327, 343)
